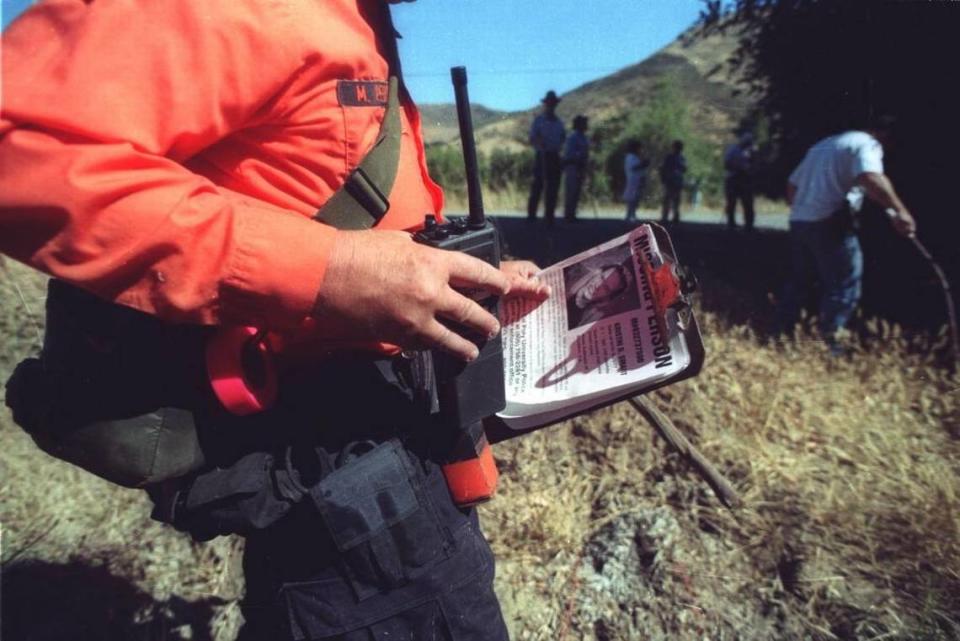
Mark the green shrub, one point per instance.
(664, 118)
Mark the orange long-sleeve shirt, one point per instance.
(169, 155)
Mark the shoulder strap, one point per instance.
(362, 200)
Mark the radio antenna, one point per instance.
(475, 217)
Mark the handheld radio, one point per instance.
(468, 392)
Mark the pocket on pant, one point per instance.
(381, 519)
(424, 622)
(439, 601)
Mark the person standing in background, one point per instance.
(672, 171)
(738, 162)
(635, 170)
(696, 192)
(547, 135)
(575, 156)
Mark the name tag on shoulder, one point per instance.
(362, 93)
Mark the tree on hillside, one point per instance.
(664, 117)
(817, 67)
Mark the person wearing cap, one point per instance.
(738, 166)
(575, 156)
(547, 135)
(182, 168)
(824, 191)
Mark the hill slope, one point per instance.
(440, 121)
(695, 65)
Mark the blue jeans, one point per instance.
(671, 201)
(572, 183)
(546, 178)
(829, 251)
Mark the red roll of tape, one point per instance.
(241, 370)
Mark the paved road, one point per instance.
(739, 272)
(776, 220)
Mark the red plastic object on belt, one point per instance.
(474, 480)
(241, 369)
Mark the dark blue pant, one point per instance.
(448, 596)
(828, 251)
(671, 202)
(573, 180)
(394, 558)
(739, 188)
(546, 178)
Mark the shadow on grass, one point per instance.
(44, 601)
(741, 273)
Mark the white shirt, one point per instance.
(635, 171)
(829, 171)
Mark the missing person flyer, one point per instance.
(596, 336)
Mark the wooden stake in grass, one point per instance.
(665, 427)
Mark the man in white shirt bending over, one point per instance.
(824, 245)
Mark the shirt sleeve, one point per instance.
(868, 158)
(103, 102)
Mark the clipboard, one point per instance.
(498, 430)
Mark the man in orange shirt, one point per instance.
(170, 158)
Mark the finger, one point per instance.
(438, 336)
(469, 272)
(527, 268)
(457, 307)
(528, 288)
(524, 268)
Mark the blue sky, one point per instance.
(515, 50)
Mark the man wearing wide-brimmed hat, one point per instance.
(547, 136)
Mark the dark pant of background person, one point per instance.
(828, 251)
(572, 185)
(739, 188)
(671, 202)
(632, 200)
(546, 178)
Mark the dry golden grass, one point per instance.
(850, 527)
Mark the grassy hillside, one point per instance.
(850, 529)
(684, 91)
(694, 64)
(440, 121)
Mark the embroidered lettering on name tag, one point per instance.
(362, 93)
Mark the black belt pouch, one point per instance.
(112, 389)
(379, 512)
